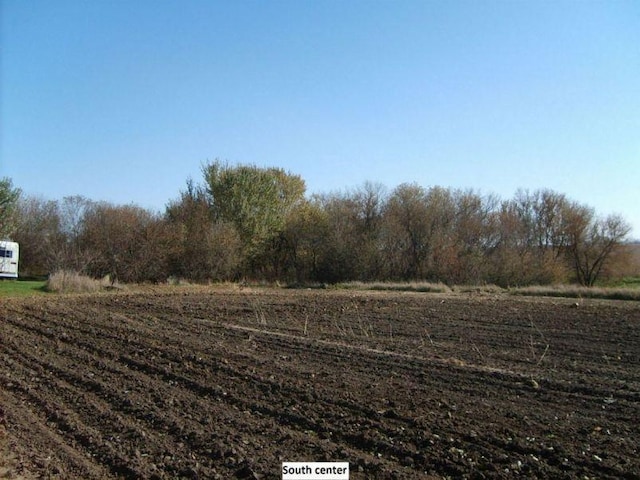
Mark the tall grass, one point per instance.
(568, 291)
(575, 291)
(65, 281)
(396, 286)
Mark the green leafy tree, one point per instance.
(256, 201)
(8, 203)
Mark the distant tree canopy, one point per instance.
(252, 222)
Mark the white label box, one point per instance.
(315, 470)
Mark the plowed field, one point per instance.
(195, 383)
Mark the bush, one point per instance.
(65, 281)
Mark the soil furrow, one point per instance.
(197, 383)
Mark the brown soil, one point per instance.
(195, 383)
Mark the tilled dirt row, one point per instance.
(229, 384)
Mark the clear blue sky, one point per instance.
(124, 100)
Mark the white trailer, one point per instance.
(9, 254)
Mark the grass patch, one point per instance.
(20, 288)
(627, 282)
(396, 287)
(576, 291)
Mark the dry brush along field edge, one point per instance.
(224, 383)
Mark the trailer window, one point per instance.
(6, 253)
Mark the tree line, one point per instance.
(248, 222)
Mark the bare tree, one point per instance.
(473, 237)
(39, 234)
(532, 239)
(407, 232)
(208, 249)
(305, 244)
(72, 254)
(128, 243)
(593, 240)
(340, 258)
